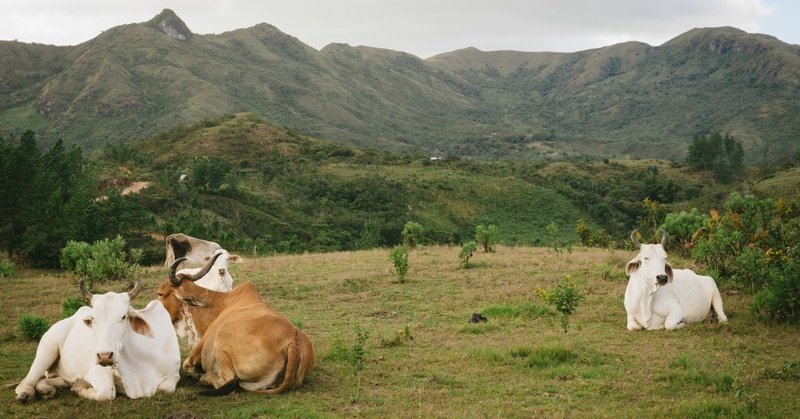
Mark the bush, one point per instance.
(412, 233)
(683, 229)
(71, 305)
(7, 268)
(755, 244)
(33, 327)
(486, 237)
(565, 297)
(466, 252)
(104, 259)
(781, 301)
(399, 257)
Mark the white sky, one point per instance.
(420, 27)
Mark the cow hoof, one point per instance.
(26, 397)
(80, 384)
(47, 393)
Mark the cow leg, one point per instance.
(633, 324)
(192, 364)
(99, 384)
(716, 304)
(47, 355)
(674, 320)
(47, 387)
(221, 374)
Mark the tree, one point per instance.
(723, 155)
(412, 233)
(486, 237)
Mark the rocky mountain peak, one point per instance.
(169, 23)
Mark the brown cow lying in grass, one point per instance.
(243, 343)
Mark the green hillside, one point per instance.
(283, 189)
(625, 100)
(249, 184)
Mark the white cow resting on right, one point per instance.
(659, 297)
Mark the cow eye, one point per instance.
(125, 316)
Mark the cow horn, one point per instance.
(663, 237)
(633, 237)
(202, 272)
(136, 288)
(172, 269)
(86, 294)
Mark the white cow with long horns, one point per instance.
(106, 349)
(660, 297)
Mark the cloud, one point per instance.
(421, 27)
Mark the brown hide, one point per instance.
(241, 338)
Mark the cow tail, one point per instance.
(293, 359)
(225, 389)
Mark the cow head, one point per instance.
(220, 267)
(650, 264)
(178, 288)
(111, 319)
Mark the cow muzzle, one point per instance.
(662, 279)
(105, 359)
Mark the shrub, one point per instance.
(683, 229)
(7, 268)
(755, 244)
(412, 233)
(33, 327)
(781, 301)
(399, 257)
(370, 235)
(486, 237)
(104, 259)
(71, 305)
(589, 237)
(466, 252)
(565, 297)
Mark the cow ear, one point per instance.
(668, 270)
(139, 325)
(632, 266)
(236, 259)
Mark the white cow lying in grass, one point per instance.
(659, 297)
(106, 349)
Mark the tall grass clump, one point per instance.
(7, 268)
(32, 327)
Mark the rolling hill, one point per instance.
(629, 99)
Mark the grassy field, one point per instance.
(421, 358)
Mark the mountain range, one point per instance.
(629, 99)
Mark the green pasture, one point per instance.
(391, 349)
